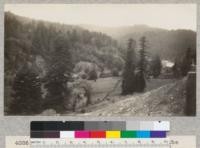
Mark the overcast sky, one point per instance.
(168, 16)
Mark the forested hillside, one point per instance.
(24, 36)
(169, 44)
(40, 51)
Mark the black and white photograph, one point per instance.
(108, 60)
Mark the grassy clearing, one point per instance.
(104, 85)
(166, 100)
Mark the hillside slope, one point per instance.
(25, 37)
(169, 44)
(167, 100)
(34, 42)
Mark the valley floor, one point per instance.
(162, 97)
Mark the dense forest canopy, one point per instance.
(26, 39)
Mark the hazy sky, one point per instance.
(168, 16)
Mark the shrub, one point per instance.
(93, 75)
(84, 76)
(115, 73)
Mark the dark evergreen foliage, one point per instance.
(140, 82)
(59, 73)
(186, 62)
(115, 72)
(176, 69)
(142, 54)
(93, 75)
(43, 39)
(26, 92)
(156, 66)
(168, 44)
(140, 77)
(94, 47)
(128, 82)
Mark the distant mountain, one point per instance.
(118, 32)
(169, 44)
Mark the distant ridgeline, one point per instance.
(168, 44)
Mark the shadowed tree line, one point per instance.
(134, 72)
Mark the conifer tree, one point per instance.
(43, 38)
(156, 66)
(176, 69)
(186, 62)
(128, 83)
(59, 72)
(142, 54)
(140, 77)
(26, 92)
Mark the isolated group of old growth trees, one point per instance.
(61, 47)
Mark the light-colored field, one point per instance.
(156, 99)
(102, 86)
(166, 100)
